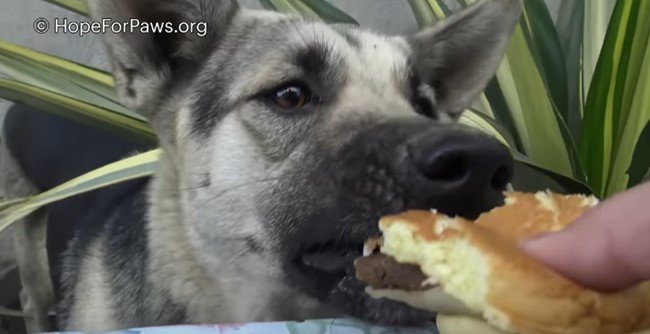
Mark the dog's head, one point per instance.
(292, 137)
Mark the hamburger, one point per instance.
(477, 279)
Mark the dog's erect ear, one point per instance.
(146, 62)
(461, 54)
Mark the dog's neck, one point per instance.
(173, 265)
(177, 270)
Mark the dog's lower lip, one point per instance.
(331, 261)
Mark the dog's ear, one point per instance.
(462, 53)
(145, 62)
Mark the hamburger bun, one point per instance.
(476, 270)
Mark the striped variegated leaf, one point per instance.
(570, 29)
(312, 8)
(135, 129)
(68, 89)
(618, 104)
(61, 76)
(596, 22)
(77, 6)
(640, 165)
(138, 166)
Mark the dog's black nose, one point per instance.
(462, 163)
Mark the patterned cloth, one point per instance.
(326, 326)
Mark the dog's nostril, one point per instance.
(501, 177)
(448, 167)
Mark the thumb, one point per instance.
(608, 248)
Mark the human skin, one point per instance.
(608, 248)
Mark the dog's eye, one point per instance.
(291, 97)
(424, 107)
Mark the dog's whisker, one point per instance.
(234, 259)
(240, 239)
(203, 186)
(266, 179)
(295, 27)
(236, 187)
(347, 217)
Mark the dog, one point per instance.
(284, 140)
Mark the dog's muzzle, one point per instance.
(386, 170)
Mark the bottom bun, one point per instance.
(481, 264)
(458, 324)
(435, 299)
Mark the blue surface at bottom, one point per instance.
(325, 326)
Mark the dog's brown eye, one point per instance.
(291, 97)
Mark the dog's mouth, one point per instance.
(329, 258)
(327, 272)
(328, 263)
(320, 267)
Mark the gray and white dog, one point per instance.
(284, 139)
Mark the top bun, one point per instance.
(481, 264)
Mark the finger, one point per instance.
(608, 248)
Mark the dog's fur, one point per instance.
(247, 191)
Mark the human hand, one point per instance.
(608, 248)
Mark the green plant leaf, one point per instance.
(640, 165)
(4, 203)
(570, 29)
(289, 6)
(501, 112)
(311, 8)
(68, 89)
(61, 76)
(544, 43)
(532, 109)
(65, 106)
(69, 67)
(328, 12)
(596, 138)
(10, 313)
(618, 105)
(480, 121)
(138, 166)
(634, 49)
(597, 17)
(440, 8)
(77, 6)
(424, 14)
(530, 177)
(427, 12)
(631, 98)
(545, 47)
(267, 4)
